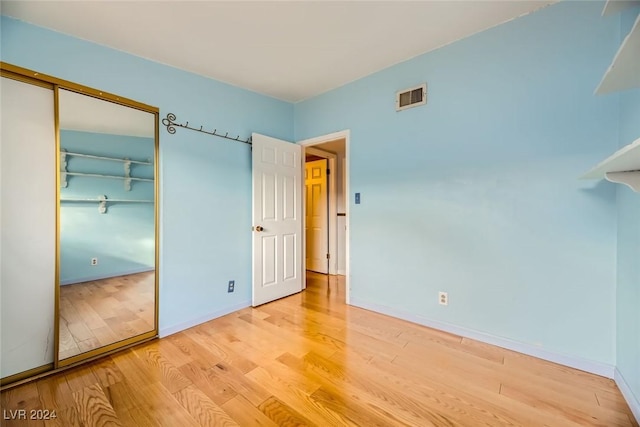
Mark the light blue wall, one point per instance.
(205, 196)
(122, 238)
(477, 193)
(628, 279)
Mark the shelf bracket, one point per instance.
(102, 204)
(630, 179)
(63, 169)
(127, 175)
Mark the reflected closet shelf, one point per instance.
(126, 168)
(102, 201)
(114, 159)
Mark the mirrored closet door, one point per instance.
(78, 217)
(107, 242)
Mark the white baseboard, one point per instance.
(164, 332)
(597, 368)
(105, 276)
(630, 397)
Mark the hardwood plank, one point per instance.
(55, 393)
(169, 350)
(18, 403)
(218, 391)
(137, 373)
(251, 390)
(245, 413)
(94, 408)
(121, 396)
(300, 342)
(553, 403)
(171, 377)
(352, 411)
(296, 394)
(403, 407)
(107, 372)
(281, 414)
(69, 417)
(219, 353)
(467, 401)
(192, 349)
(81, 377)
(562, 374)
(203, 409)
(155, 406)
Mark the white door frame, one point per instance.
(333, 207)
(344, 134)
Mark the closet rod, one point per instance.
(171, 124)
(106, 200)
(90, 156)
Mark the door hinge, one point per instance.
(328, 256)
(328, 171)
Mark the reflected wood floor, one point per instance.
(311, 360)
(101, 312)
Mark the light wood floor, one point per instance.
(310, 360)
(101, 312)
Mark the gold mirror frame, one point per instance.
(34, 77)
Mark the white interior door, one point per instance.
(277, 219)
(317, 216)
(27, 227)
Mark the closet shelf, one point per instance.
(622, 167)
(616, 6)
(624, 71)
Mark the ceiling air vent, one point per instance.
(411, 97)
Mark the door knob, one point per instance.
(259, 228)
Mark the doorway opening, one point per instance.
(326, 204)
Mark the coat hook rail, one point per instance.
(170, 123)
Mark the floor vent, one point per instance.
(411, 97)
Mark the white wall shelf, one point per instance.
(126, 163)
(616, 6)
(622, 167)
(624, 71)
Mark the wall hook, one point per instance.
(170, 123)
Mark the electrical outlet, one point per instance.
(94, 261)
(232, 286)
(443, 298)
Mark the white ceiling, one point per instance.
(291, 50)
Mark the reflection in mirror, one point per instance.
(107, 223)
